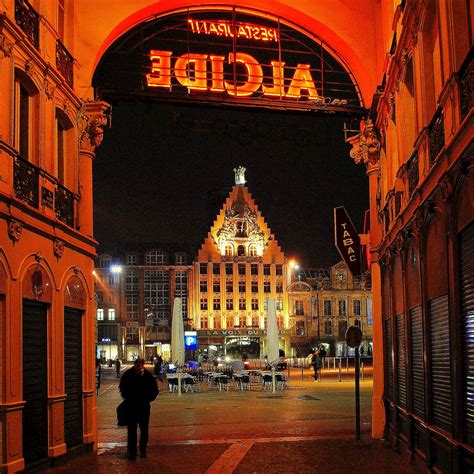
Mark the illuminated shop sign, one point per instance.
(227, 56)
(190, 340)
(347, 240)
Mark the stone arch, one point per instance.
(302, 284)
(29, 265)
(341, 43)
(79, 274)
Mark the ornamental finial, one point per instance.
(240, 175)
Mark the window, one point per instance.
(180, 259)
(369, 311)
(279, 270)
(279, 305)
(242, 304)
(203, 268)
(203, 286)
(266, 269)
(266, 287)
(327, 308)
(203, 304)
(216, 304)
(241, 286)
(24, 121)
(279, 288)
(217, 322)
(181, 289)
(342, 307)
(254, 304)
(216, 268)
(229, 304)
(100, 314)
(111, 280)
(356, 307)
(241, 268)
(255, 320)
(228, 269)
(254, 269)
(229, 287)
(111, 314)
(252, 251)
(204, 321)
(131, 259)
(156, 292)
(216, 287)
(299, 308)
(60, 148)
(228, 251)
(242, 321)
(255, 287)
(300, 331)
(155, 257)
(241, 251)
(357, 323)
(104, 262)
(328, 327)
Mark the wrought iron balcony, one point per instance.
(64, 205)
(27, 19)
(26, 181)
(435, 136)
(64, 63)
(466, 80)
(413, 173)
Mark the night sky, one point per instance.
(164, 170)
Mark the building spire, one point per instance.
(239, 176)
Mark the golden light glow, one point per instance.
(292, 264)
(160, 69)
(227, 29)
(254, 73)
(188, 63)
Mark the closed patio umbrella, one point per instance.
(177, 334)
(273, 352)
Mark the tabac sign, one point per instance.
(228, 55)
(347, 240)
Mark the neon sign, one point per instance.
(228, 30)
(191, 70)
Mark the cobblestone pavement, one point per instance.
(307, 428)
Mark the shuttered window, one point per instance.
(401, 370)
(418, 367)
(440, 362)
(388, 358)
(466, 278)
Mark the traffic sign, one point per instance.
(353, 336)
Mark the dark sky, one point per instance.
(163, 171)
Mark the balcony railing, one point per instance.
(413, 173)
(435, 136)
(26, 181)
(466, 80)
(28, 20)
(64, 62)
(26, 185)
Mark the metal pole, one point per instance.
(357, 392)
(179, 383)
(340, 370)
(334, 364)
(362, 371)
(273, 380)
(302, 368)
(347, 364)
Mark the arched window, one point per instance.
(253, 250)
(204, 323)
(241, 251)
(228, 251)
(64, 146)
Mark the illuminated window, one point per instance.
(266, 287)
(327, 308)
(252, 251)
(242, 304)
(279, 304)
(299, 308)
(155, 257)
(204, 322)
(203, 268)
(203, 304)
(254, 304)
(279, 288)
(100, 314)
(342, 307)
(111, 314)
(241, 251)
(254, 269)
(328, 327)
(228, 250)
(255, 287)
(203, 286)
(229, 304)
(255, 320)
(111, 280)
(369, 311)
(357, 307)
(217, 322)
(300, 330)
(216, 305)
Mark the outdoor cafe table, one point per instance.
(215, 379)
(174, 376)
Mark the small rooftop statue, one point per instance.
(240, 175)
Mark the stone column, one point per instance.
(366, 150)
(93, 122)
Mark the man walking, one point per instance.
(316, 363)
(138, 388)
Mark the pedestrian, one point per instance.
(361, 351)
(322, 354)
(316, 363)
(117, 367)
(138, 388)
(157, 368)
(200, 359)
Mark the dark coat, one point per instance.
(138, 391)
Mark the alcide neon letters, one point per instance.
(191, 71)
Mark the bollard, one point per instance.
(347, 364)
(302, 375)
(362, 371)
(340, 371)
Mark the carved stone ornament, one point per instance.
(76, 270)
(38, 257)
(6, 47)
(30, 68)
(446, 189)
(14, 230)
(366, 145)
(58, 248)
(240, 175)
(93, 122)
(49, 89)
(404, 56)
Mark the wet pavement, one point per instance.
(306, 428)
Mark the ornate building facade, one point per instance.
(238, 267)
(323, 303)
(135, 287)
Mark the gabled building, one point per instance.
(238, 267)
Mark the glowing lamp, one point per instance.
(116, 269)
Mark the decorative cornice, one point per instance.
(93, 120)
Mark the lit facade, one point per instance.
(135, 290)
(238, 267)
(323, 303)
